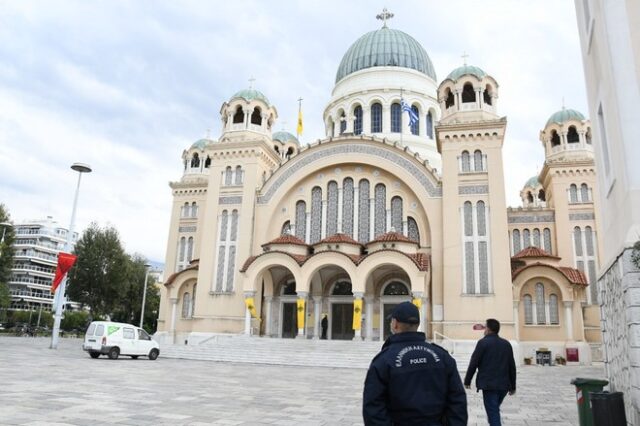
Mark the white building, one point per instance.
(610, 37)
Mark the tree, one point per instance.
(102, 266)
(6, 260)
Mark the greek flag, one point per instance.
(413, 117)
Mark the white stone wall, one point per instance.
(620, 303)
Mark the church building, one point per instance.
(403, 199)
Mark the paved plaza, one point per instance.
(65, 387)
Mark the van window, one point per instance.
(144, 335)
(91, 329)
(128, 333)
(100, 330)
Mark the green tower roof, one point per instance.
(465, 70)
(251, 94)
(565, 115)
(284, 137)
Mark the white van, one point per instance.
(114, 339)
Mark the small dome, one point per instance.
(385, 48)
(251, 94)
(465, 70)
(201, 144)
(565, 115)
(284, 137)
(532, 183)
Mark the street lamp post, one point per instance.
(144, 293)
(60, 300)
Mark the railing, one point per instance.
(34, 268)
(446, 342)
(32, 294)
(32, 254)
(29, 281)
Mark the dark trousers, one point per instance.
(492, 400)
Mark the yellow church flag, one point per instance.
(300, 306)
(418, 302)
(357, 314)
(300, 126)
(251, 306)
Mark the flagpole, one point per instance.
(401, 112)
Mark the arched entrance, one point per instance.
(288, 319)
(341, 318)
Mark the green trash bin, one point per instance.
(584, 387)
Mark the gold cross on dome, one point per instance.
(464, 57)
(384, 16)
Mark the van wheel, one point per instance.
(94, 355)
(134, 356)
(153, 355)
(113, 353)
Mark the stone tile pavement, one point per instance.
(39, 386)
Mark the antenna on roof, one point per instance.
(384, 16)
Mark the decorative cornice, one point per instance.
(532, 218)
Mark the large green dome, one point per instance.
(565, 115)
(385, 48)
(251, 94)
(465, 70)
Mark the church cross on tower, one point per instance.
(464, 57)
(384, 16)
(251, 80)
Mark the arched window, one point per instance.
(189, 249)
(526, 236)
(228, 174)
(224, 222)
(468, 219)
(429, 125)
(396, 288)
(477, 161)
(347, 206)
(256, 116)
(380, 225)
(487, 95)
(449, 100)
(555, 139)
(186, 305)
(343, 123)
(332, 208)
(541, 316)
(207, 162)
(286, 228)
(289, 289)
(412, 229)
(316, 214)
(415, 127)
(547, 240)
(396, 213)
(301, 220)
(528, 309)
(584, 193)
(364, 214)
(573, 193)
(588, 237)
(553, 309)
(234, 226)
(238, 117)
(572, 135)
(536, 238)
(192, 310)
(185, 211)
(542, 196)
(530, 197)
(342, 288)
(357, 122)
(238, 180)
(183, 248)
(482, 218)
(468, 94)
(516, 241)
(195, 161)
(194, 209)
(396, 118)
(376, 118)
(466, 161)
(290, 152)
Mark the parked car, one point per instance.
(114, 339)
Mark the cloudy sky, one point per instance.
(126, 86)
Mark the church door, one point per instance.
(342, 321)
(289, 326)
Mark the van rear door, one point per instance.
(91, 337)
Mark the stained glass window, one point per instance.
(483, 260)
(381, 210)
(577, 240)
(536, 237)
(468, 220)
(234, 225)
(526, 236)
(183, 244)
(332, 208)
(470, 267)
(573, 193)
(190, 249)
(482, 218)
(396, 118)
(224, 225)
(396, 288)
(541, 316)
(363, 211)
(376, 118)
(429, 125)
(301, 220)
(238, 175)
(231, 268)
(396, 213)
(220, 270)
(227, 176)
(286, 228)
(588, 236)
(342, 288)
(593, 282)
(528, 309)
(316, 214)
(412, 228)
(584, 193)
(347, 206)
(357, 122)
(547, 240)
(186, 304)
(415, 127)
(553, 309)
(516, 241)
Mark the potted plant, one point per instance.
(528, 360)
(560, 360)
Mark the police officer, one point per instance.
(411, 381)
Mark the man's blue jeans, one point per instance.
(492, 400)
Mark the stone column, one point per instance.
(368, 319)
(366, 120)
(247, 115)
(317, 308)
(357, 333)
(516, 319)
(302, 295)
(479, 97)
(386, 119)
(458, 105)
(267, 326)
(568, 314)
(174, 308)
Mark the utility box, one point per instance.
(608, 409)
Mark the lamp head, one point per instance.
(7, 224)
(81, 167)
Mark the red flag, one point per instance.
(65, 262)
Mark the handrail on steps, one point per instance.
(444, 338)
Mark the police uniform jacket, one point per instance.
(413, 382)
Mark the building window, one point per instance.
(476, 248)
(195, 161)
(477, 161)
(577, 240)
(536, 238)
(469, 268)
(189, 249)
(528, 309)
(468, 94)
(449, 100)
(395, 288)
(516, 241)
(486, 94)
(541, 316)
(286, 228)
(396, 214)
(364, 215)
(553, 310)
(415, 127)
(301, 220)
(228, 175)
(186, 305)
(584, 193)
(573, 193)
(238, 117)
(468, 219)
(316, 215)
(380, 225)
(347, 206)
(526, 236)
(572, 135)
(207, 162)
(238, 177)
(547, 240)
(256, 116)
(396, 118)
(357, 122)
(376, 118)
(412, 229)
(466, 161)
(332, 208)
(429, 125)
(555, 139)
(482, 219)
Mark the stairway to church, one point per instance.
(292, 352)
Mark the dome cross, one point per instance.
(464, 57)
(251, 80)
(384, 16)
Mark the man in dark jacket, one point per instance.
(493, 357)
(411, 381)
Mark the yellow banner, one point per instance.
(300, 305)
(300, 126)
(357, 314)
(251, 306)
(418, 302)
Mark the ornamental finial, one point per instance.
(384, 16)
